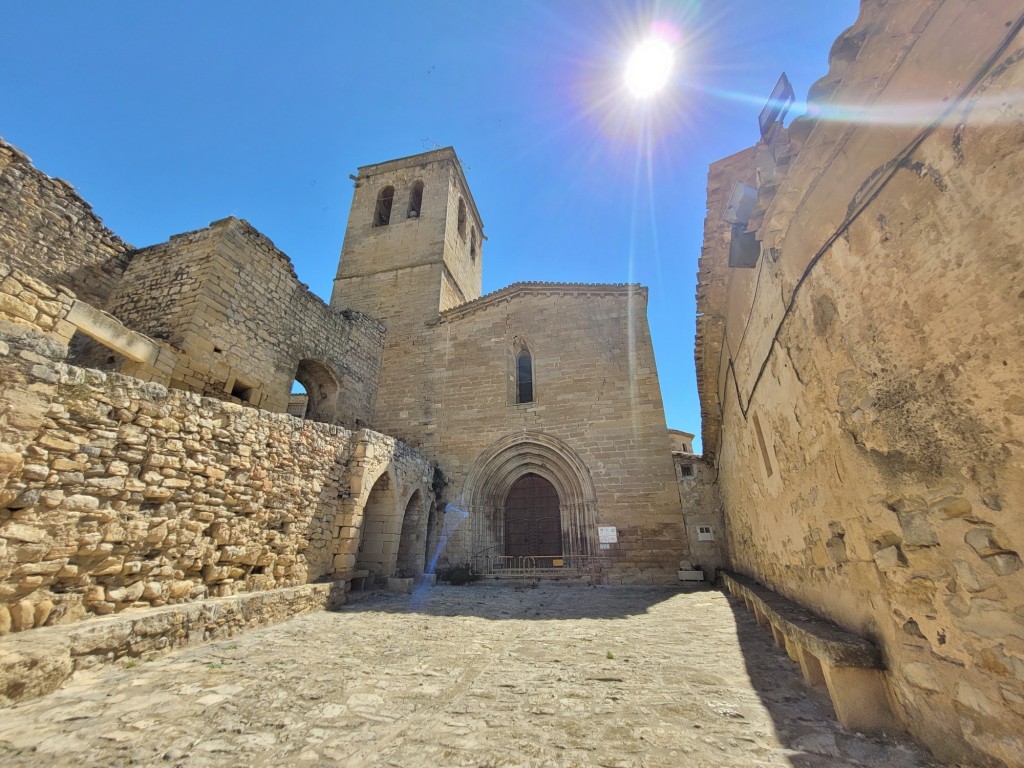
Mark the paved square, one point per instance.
(477, 676)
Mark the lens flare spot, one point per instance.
(649, 67)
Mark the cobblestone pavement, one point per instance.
(478, 676)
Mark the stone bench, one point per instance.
(849, 666)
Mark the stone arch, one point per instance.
(380, 529)
(321, 385)
(412, 541)
(507, 460)
(435, 522)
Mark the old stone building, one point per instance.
(147, 454)
(859, 361)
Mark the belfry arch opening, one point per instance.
(382, 212)
(415, 200)
(319, 385)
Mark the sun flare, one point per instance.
(649, 67)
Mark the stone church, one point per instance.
(859, 365)
(531, 417)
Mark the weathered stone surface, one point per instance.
(472, 676)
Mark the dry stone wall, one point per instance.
(118, 493)
(50, 232)
(871, 461)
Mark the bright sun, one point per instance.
(649, 67)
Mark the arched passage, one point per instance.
(413, 538)
(497, 477)
(321, 388)
(378, 544)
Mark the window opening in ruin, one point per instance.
(472, 244)
(533, 522)
(462, 218)
(86, 352)
(314, 392)
(242, 391)
(763, 446)
(382, 214)
(415, 200)
(524, 377)
(298, 400)
(687, 470)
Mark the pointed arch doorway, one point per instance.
(533, 521)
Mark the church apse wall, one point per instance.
(868, 368)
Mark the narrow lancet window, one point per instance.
(524, 378)
(472, 244)
(382, 213)
(415, 200)
(462, 219)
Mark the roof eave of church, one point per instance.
(516, 290)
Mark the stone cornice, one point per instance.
(517, 290)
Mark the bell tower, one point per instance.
(413, 244)
(412, 249)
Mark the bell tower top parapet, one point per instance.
(413, 243)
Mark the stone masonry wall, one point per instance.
(231, 301)
(118, 493)
(50, 232)
(871, 460)
(702, 507)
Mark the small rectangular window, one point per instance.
(705, 533)
(687, 470)
(242, 391)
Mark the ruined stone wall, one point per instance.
(50, 232)
(871, 461)
(703, 515)
(116, 493)
(231, 301)
(596, 392)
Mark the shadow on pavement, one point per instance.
(504, 601)
(803, 716)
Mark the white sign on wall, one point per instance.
(607, 534)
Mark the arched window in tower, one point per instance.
(472, 243)
(462, 219)
(415, 200)
(524, 377)
(382, 213)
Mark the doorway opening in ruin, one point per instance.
(378, 544)
(533, 523)
(314, 380)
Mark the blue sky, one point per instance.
(168, 116)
